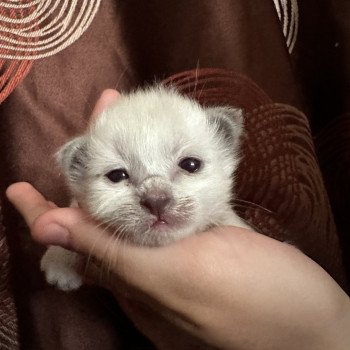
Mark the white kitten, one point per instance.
(155, 167)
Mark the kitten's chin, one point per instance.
(160, 234)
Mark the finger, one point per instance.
(107, 97)
(28, 201)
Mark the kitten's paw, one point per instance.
(59, 266)
(63, 278)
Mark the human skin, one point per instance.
(229, 287)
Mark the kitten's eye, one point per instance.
(190, 164)
(117, 175)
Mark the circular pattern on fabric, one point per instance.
(288, 14)
(35, 29)
(209, 85)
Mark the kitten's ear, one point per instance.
(228, 122)
(72, 158)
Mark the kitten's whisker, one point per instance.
(105, 266)
(89, 257)
(117, 239)
(122, 238)
(200, 93)
(120, 78)
(196, 79)
(252, 204)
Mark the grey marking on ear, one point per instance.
(72, 158)
(228, 122)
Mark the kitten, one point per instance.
(155, 167)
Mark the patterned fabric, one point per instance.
(11, 71)
(30, 30)
(288, 14)
(8, 322)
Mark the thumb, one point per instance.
(107, 98)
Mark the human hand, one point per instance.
(230, 287)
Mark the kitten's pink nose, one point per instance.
(156, 203)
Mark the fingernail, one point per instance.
(56, 234)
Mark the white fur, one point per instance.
(60, 267)
(147, 133)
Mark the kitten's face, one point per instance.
(155, 167)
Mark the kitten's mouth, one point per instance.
(159, 222)
(168, 220)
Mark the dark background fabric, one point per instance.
(135, 43)
(321, 59)
(321, 64)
